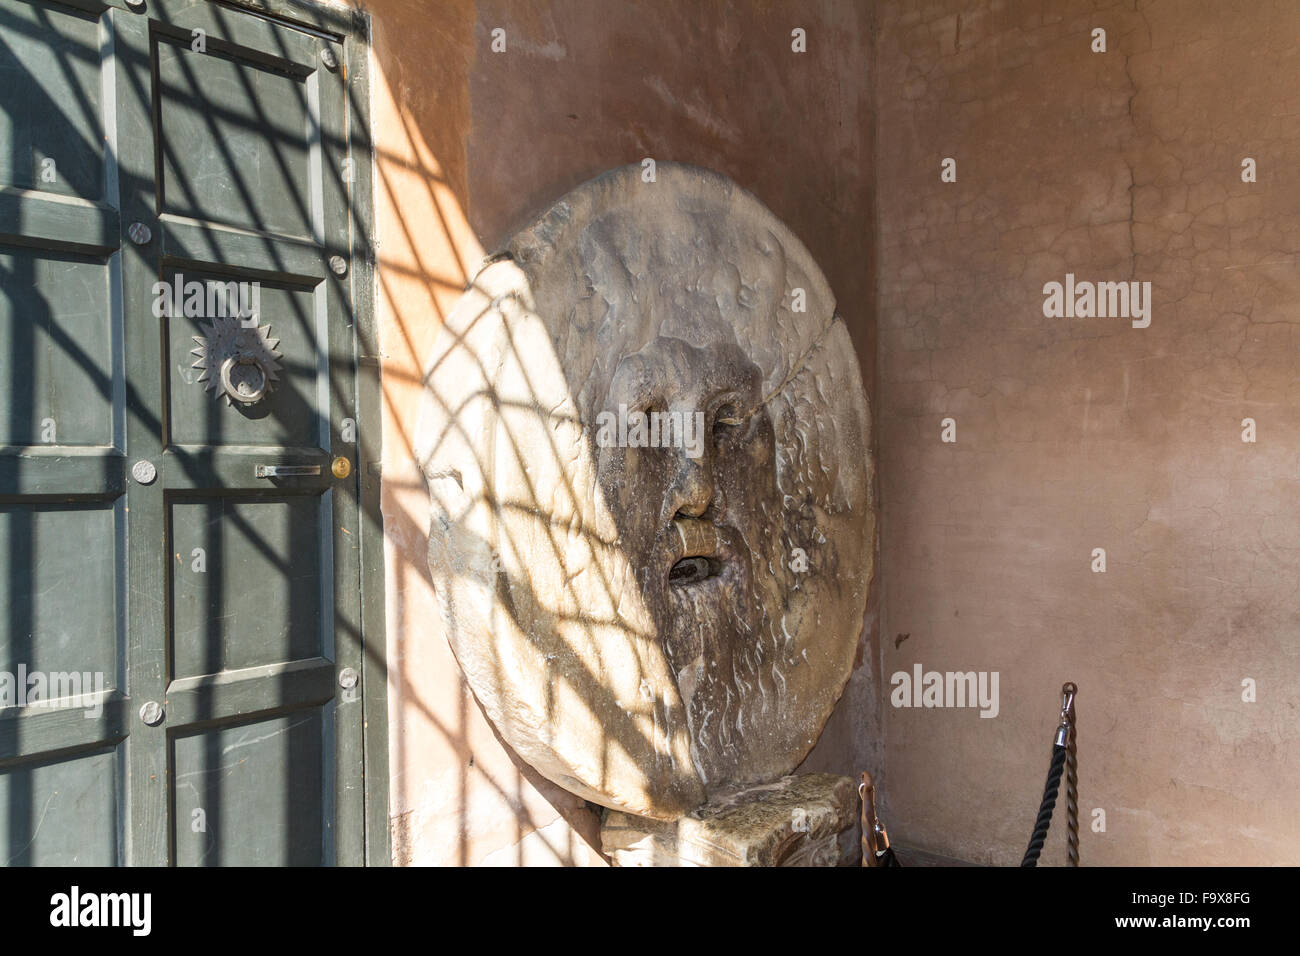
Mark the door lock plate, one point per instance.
(285, 471)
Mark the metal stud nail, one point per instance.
(139, 233)
(152, 713)
(338, 265)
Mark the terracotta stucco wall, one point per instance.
(1075, 434)
(469, 144)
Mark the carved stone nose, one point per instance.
(691, 492)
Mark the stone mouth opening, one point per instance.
(693, 570)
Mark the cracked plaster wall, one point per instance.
(1075, 434)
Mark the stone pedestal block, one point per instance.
(802, 820)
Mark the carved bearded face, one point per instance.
(646, 444)
(694, 511)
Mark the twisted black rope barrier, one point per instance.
(1045, 809)
(1063, 753)
(1072, 794)
(876, 850)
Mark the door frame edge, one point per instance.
(369, 412)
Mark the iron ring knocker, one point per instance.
(237, 362)
(246, 391)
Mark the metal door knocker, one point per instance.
(243, 379)
(239, 362)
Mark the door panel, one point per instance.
(56, 338)
(63, 611)
(52, 118)
(260, 788)
(62, 812)
(293, 416)
(242, 610)
(142, 537)
(216, 163)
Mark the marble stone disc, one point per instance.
(647, 448)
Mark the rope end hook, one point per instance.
(1068, 690)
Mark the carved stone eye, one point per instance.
(725, 419)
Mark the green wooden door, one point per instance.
(190, 553)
